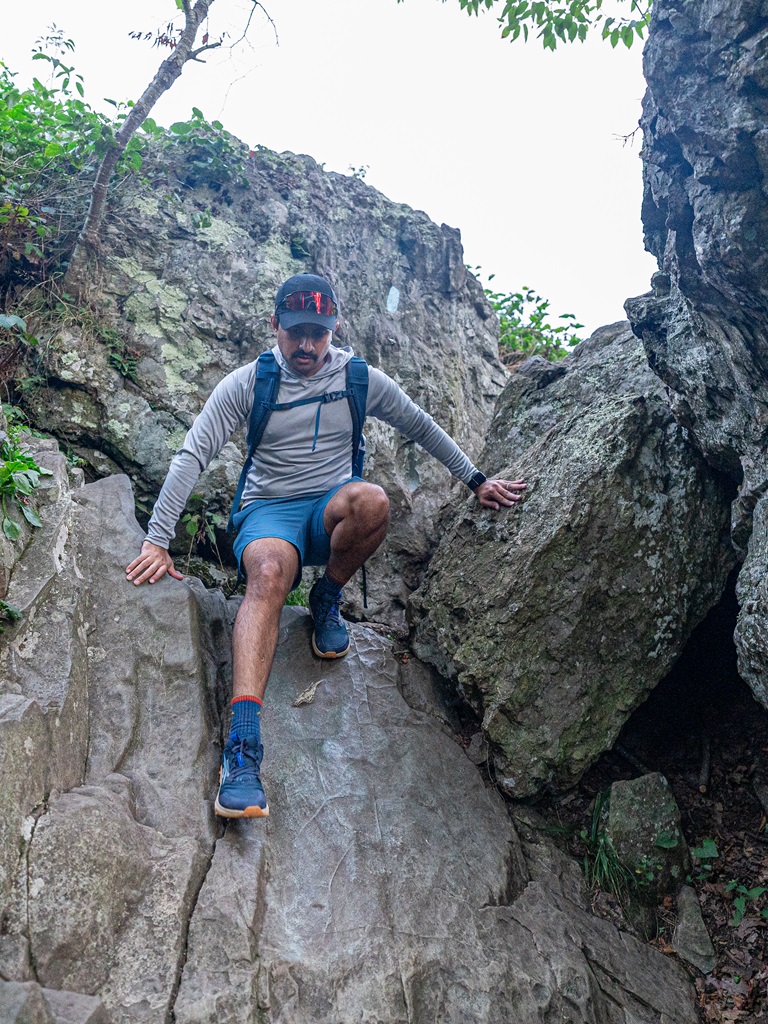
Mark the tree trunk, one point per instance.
(88, 239)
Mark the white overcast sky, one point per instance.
(519, 148)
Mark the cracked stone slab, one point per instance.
(389, 884)
(128, 891)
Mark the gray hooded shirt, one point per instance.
(304, 451)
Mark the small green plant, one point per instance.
(745, 896)
(9, 614)
(19, 476)
(602, 867)
(705, 854)
(298, 598)
(202, 219)
(121, 358)
(14, 329)
(201, 526)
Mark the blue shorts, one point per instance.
(297, 520)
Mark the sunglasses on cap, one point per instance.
(300, 302)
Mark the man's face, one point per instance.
(303, 347)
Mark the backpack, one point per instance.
(265, 389)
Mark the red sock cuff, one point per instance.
(235, 700)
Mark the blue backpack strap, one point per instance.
(357, 383)
(265, 389)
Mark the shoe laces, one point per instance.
(243, 760)
(329, 608)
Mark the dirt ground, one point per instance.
(704, 731)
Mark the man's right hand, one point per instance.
(152, 564)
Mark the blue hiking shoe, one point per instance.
(330, 638)
(241, 794)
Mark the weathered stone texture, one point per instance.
(557, 617)
(389, 884)
(705, 325)
(188, 284)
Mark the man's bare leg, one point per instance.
(356, 520)
(271, 565)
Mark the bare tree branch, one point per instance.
(255, 4)
(194, 55)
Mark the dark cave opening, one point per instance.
(702, 708)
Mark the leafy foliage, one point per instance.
(201, 525)
(564, 21)
(9, 613)
(51, 144)
(19, 476)
(527, 328)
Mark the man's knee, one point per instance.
(365, 501)
(375, 502)
(270, 571)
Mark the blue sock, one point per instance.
(246, 717)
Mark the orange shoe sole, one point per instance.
(248, 812)
(328, 654)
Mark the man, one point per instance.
(300, 505)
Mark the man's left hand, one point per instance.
(495, 493)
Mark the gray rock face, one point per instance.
(706, 215)
(558, 617)
(188, 285)
(389, 883)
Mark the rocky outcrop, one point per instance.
(705, 325)
(389, 882)
(185, 291)
(558, 617)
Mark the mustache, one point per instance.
(307, 355)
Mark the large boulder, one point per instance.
(705, 212)
(389, 883)
(556, 618)
(185, 290)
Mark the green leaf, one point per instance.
(11, 528)
(52, 149)
(9, 320)
(739, 907)
(30, 515)
(667, 840)
(181, 128)
(707, 850)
